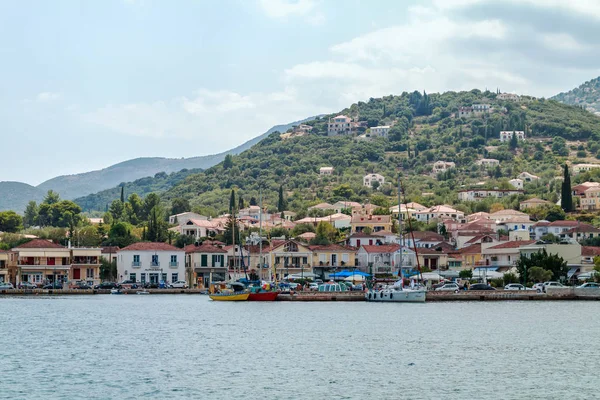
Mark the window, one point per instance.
(173, 259)
(132, 277)
(174, 277)
(90, 273)
(155, 262)
(304, 260)
(345, 257)
(143, 277)
(136, 258)
(333, 259)
(164, 277)
(204, 260)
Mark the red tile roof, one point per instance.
(330, 247)
(584, 228)
(564, 223)
(110, 249)
(203, 248)
(590, 251)
(386, 248)
(442, 248)
(384, 219)
(362, 235)
(512, 245)
(425, 236)
(40, 244)
(149, 246)
(472, 249)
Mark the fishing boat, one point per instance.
(234, 292)
(264, 293)
(397, 293)
(116, 291)
(143, 292)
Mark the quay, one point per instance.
(74, 292)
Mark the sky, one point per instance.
(86, 84)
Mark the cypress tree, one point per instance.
(232, 202)
(566, 198)
(240, 202)
(281, 201)
(513, 141)
(122, 194)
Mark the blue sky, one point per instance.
(86, 84)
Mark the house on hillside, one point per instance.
(527, 177)
(488, 162)
(579, 168)
(380, 131)
(326, 171)
(182, 218)
(442, 166)
(369, 179)
(590, 201)
(480, 194)
(375, 223)
(516, 183)
(506, 136)
(340, 125)
(508, 97)
(439, 213)
(533, 203)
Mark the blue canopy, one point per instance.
(345, 273)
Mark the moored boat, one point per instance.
(263, 296)
(396, 294)
(233, 296)
(116, 291)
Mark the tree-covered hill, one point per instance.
(15, 195)
(425, 129)
(587, 95)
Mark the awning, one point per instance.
(487, 268)
(572, 272)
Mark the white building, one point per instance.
(442, 166)
(439, 212)
(579, 168)
(481, 108)
(516, 183)
(527, 177)
(508, 97)
(370, 178)
(480, 194)
(326, 171)
(488, 162)
(339, 125)
(505, 136)
(380, 131)
(182, 218)
(151, 262)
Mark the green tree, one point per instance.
(465, 274)
(152, 200)
(136, 210)
(302, 228)
(550, 262)
(566, 199)
(180, 205)
(230, 235)
(281, 203)
(344, 191)
(120, 235)
(156, 226)
(108, 270)
(240, 202)
(117, 209)
(514, 142)
(232, 202)
(10, 221)
(31, 214)
(228, 162)
(325, 234)
(122, 194)
(509, 277)
(538, 274)
(51, 197)
(253, 201)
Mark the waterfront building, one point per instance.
(290, 257)
(8, 265)
(151, 262)
(205, 264)
(331, 258)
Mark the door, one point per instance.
(76, 273)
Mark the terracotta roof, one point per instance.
(149, 246)
(541, 223)
(442, 248)
(330, 247)
(565, 223)
(371, 219)
(307, 235)
(512, 245)
(383, 233)
(535, 200)
(508, 212)
(40, 244)
(203, 248)
(386, 248)
(362, 235)
(425, 236)
(590, 251)
(472, 249)
(110, 249)
(584, 228)
(478, 238)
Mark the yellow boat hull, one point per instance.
(229, 297)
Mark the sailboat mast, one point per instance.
(260, 260)
(401, 237)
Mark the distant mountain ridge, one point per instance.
(586, 95)
(16, 195)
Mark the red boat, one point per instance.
(263, 296)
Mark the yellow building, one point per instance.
(8, 264)
(290, 257)
(85, 265)
(375, 223)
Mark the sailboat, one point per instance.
(397, 293)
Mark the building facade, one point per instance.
(151, 262)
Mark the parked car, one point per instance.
(439, 285)
(27, 285)
(82, 286)
(128, 284)
(314, 286)
(179, 285)
(448, 287)
(481, 286)
(150, 285)
(54, 285)
(6, 286)
(514, 286)
(553, 284)
(589, 285)
(538, 287)
(106, 285)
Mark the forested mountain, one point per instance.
(15, 195)
(425, 129)
(586, 95)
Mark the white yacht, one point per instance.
(397, 294)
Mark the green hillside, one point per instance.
(586, 95)
(16, 195)
(426, 129)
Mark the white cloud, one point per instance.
(562, 41)
(281, 9)
(44, 97)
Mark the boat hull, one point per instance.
(229, 297)
(395, 296)
(263, 296)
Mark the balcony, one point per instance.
(136, 264)
(216, 265)
(155, 264)
(173, 264)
